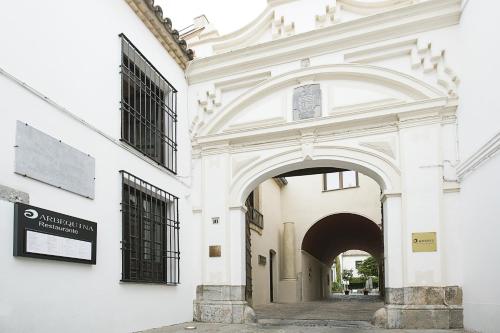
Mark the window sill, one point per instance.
(145, 157)
(149, 283)
(341, 189)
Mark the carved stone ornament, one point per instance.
(307, 102)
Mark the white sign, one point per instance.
(57, 246)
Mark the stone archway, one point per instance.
(232, 295)
(337, 233)
(399, 145)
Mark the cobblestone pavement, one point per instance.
(339, 314)
(256, 328)
(336, 308)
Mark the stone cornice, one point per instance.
(484, 153)
(374, 28)
(374, 121)
(152, 16)
(263, 18)
(384, 196)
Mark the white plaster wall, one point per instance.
(305, 203)
(71, 53)
(270, 207)
(315, 278)
(480, 211)
(479, 114)
(349, 262)
(420, 212)
(479, 120)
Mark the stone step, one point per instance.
(314, 323)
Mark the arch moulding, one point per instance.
(414, 89)
(384, 171)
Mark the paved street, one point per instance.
(352, 308)
(339, 314)
(255, 328)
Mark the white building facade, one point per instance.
(402, 91)
(381, 86)
(61, 80)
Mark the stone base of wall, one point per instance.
(13, 195)
(222, 304)
(424, 307)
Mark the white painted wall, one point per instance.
(479, 120)
(409, 147)
(316, 278)
(71, 53)
(303, 202)
(348, 261)
(270, 207)
(480, 211)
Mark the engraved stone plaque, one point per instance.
(46, 159)
(307, 102)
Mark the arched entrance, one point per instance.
(239, 148)
(231, 268)
(337, 233)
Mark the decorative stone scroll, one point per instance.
(307, 102)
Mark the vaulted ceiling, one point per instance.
(338, 233)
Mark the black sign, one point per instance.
(41, 233)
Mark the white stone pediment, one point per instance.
(346, 89)
(285, 18)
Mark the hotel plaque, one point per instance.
(424, 242)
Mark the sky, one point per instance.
(227, 15)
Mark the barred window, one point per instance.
(148, 108)
(150, 233)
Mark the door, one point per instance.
(248, 250)
(271, 275)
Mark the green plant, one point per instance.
(347, 274)
(337, 287)
(369, 267)
(360, 282)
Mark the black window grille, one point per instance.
(148, 108)
(150, 233)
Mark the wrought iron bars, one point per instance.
(150, 233)
(255, 217)
(148, 108)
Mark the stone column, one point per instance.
(288, 268)
(393, 245)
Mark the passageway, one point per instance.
(338, 233)
(337, 310)
(325, 240)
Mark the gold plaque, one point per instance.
(214, 251)
(424, 242)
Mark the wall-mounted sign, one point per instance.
(214, 251)
(424, 242)
(41, 233)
